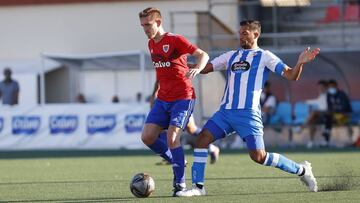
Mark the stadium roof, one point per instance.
(127, 60)
(28, 66)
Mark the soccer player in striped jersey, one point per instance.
(176, 96)
(247, 71)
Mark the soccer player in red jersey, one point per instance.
(175, 96)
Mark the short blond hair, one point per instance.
(150, 11)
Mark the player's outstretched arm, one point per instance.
(208, 68)
(201, 58)
(306, 56)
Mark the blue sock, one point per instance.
(163, 136)
(198, 168)
(178, 164)
(160, 147)
(281, 162)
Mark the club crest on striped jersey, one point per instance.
(166, 48)
(240, 66)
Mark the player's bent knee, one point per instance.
(204, 139)
(147, 139)
(258, 156)
(200, 143)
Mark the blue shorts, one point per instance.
(176, 113)
(246, 123)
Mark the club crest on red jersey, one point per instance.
(165, 48)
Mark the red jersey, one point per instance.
(169, 57)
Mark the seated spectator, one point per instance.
(339, 109)
(138, 97)
(268, 103)
(9, 89)
(80, 98)
(318, 110)
(115, 99)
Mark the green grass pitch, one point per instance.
(105, 176)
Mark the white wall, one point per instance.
(91, 27)
(27, 82)
(227, 12)
(101, 86)
(212, 90)
(79, 28)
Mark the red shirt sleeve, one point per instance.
(184, 46)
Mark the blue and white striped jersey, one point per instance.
(246, 72)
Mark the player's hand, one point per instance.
(192, 73)
(308, 55)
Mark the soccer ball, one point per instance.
(142, 185)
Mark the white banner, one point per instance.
(72, 126)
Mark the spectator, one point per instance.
(9, 89)
(318, 110)
(138, 97)
(80, 98)
(268, 103)
(115, 99)
(339, 109)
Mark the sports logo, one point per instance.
(100, 123)
(134, 122)
(161, 64)
(63, 124)
(1, 124)
(166, 48)
(28, 125)
(240, 67)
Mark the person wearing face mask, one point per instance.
(339, 109)
(9, 89)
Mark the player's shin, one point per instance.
(281, 162)
(179, 165)
(160, 147)
(198, 168)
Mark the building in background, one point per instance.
(77, 27)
